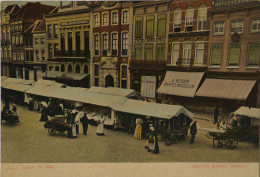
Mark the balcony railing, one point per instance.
(150, 64)
(74, 53)
(185, 62)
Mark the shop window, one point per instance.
(148, 52)
(160, 52)
(138, 52)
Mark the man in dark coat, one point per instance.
(193, 131)
(216, 114)
(84, 121)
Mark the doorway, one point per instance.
(109, 81)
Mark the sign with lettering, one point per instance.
(180, 83)
(74, 23)
(224, 4)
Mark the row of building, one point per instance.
(141, 45)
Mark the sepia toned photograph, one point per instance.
(130, 82)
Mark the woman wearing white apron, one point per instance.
(100, 127)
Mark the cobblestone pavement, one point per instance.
(28, 141)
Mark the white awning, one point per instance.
(249, 112)
(151, 109)
(180, 83)
(113, 91)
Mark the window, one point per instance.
(199, 53)
(105, 19)
(69, 68)
(160, 52)
(43, 54)
(50, 50)
(14, 55)
(105, 44)
(56, 47)
(202, 17)
(20, 27)
(186, 53)
(148, 55)
(177, 20)
(96, 20)
(56, 31)
(234, 54)
(124, 76)
(124, 43)
(175, 53)
(86, 69)
(139, 27)
(31, 55)
(62, 42)
(42, 41)
(7, 37)
(96, 70)
(49, 28)
(237, 26)
(26, 42)
(70, 42)
(138, 52)
(22, 55)
(37, 54)
(149, 26)
(30, 42)
(218, 27)
(13, 40)
(62, 68)
(77, 69)
(18, 55)
(36, 40)
(96, 43)
(114, 43)
(253, 54)
(17, 40)
(189, 19)
(125, 16)
(161, 25)
(255, 25)
(86, 44)
(114, 18)
(78, 43)
(57, 68)
(50, 68)
(21, 39)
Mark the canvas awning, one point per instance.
(151, 109)
(249, 112)
(226, 89)
(66, 76)
(180, 83)
(114, 91)
(17, 87)
(42, 82)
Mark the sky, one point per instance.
(20, 3)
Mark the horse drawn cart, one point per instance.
(57, 124)
(9, 117)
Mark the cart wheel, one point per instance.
(231, 142)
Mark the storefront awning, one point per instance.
(65, 75)
(151, 109)
(180, 83)
(17, 87)
(226, 89)
(249, 112)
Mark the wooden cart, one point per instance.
(56, 125)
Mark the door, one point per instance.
(109, 81)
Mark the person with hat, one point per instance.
(153, 141)
(193, 131)
(100, 127)
(148, 135)
(84, 121)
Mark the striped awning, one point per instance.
(226, 89)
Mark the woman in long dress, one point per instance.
(153, 142)
(100, 127)
(138, 129)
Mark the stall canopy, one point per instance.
(17, 87)
(66, 76)
(180, 83)
(151, 109)
(249, 112)
(226, 89)
(42, 82)
(114, 91)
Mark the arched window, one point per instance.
(69, 68)
(77, 69)
(202, 17)
(177, 20)
(189, 13)
(62, 68)
(86, 69)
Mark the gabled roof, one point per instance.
(33, 11)
(32, 27)
(40, 26)
(12, 9)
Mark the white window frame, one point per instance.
(22, 54)
(96, 19)
(236, 22)
(175, 50)
(105, 43)
(202, 17)
(186, 60)
(257, 22)
(189, 16)
(177, 20)
(114, 46)
(114, 20)
(105, 23)
(123, 17)
(56, 31)
(125, 42)
(248, 55)
(218, 25)
(96, 43)
(196, 51)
